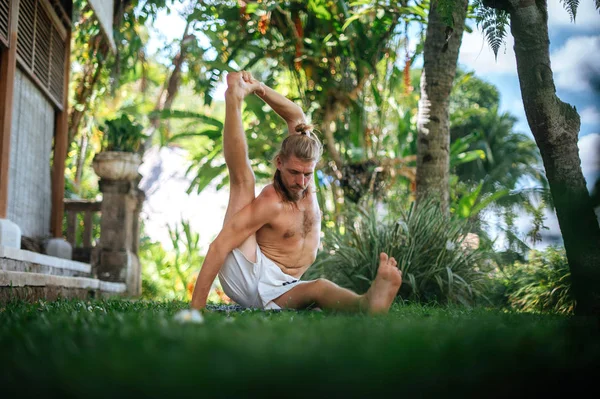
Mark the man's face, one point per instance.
(296, 175)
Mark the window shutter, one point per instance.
(43, 32)
(25, 31)
(57, 65)
(4, 21)
(41, 48)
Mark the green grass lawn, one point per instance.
(131, 349)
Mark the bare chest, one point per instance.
(294, 225)
(292, 239)
(300, 224)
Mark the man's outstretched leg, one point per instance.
(235, 148)
(328, 295)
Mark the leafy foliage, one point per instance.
(508, 174)
(170, 274)
(429, 246)
(445, 9)
(542, 284)
(122, 134)
(337, 58)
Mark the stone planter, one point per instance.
(116, 165)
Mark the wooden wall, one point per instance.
(29, 190)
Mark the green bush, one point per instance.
(428, 245)
(543, 284)
(171, 274)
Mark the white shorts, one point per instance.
(254, 285)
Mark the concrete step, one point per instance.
(18, 260)
(34, 286)
(31, 276)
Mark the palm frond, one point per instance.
(181, 114)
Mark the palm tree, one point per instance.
(508, 156)
(440, 55)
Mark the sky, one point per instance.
(575, 60)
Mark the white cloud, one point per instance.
(590, 115)
(576, 63)
(476, 54)
(587, 15)
(589, 152)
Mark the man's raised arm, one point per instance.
(241, 226)
(283, 106)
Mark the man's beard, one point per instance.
(287, 194)
(297, 193)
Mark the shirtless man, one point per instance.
(268, 242)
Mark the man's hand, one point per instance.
(248, 78)
(240, 84)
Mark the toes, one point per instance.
(393, 262)
(383, 257)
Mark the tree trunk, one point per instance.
(555, 126)
(81, 156)
(331, 115)
(440, 56)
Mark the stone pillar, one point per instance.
(134, 278)
(117, 258)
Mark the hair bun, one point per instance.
(303, 128)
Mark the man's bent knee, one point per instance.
(319, 287)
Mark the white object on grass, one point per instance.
(189, 316)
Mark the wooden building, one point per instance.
(35, 38)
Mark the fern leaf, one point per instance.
(493, 23)
(571, 7)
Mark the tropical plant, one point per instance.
(338, 59)
(541, 284)
(121, 134)
(430, 248)
(509, 157)
(170, 274)
(98, 72)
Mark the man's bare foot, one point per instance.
(385, 286)
(240, 84)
